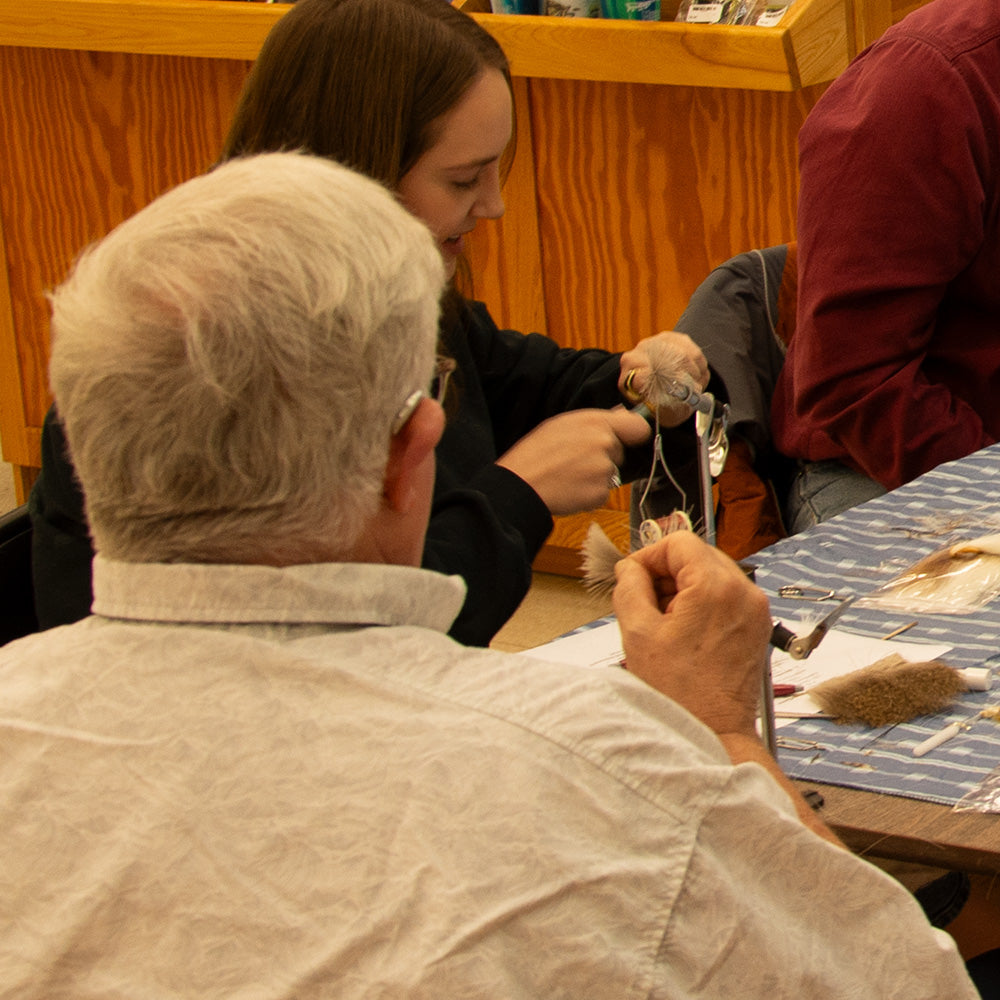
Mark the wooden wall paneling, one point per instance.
(17, 441)
(642, 190)
(870, 18)
(90, 138)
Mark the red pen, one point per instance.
(784, 690)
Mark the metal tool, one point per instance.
(713, 447)
(805, 593)
(768, 730)
(799, 648)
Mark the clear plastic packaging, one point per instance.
(958, 579)
(631, 10)
(984, 798)
(572, 8)
(720, 11)
(771, 13)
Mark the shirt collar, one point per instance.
(317, 593)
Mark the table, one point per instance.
(889, 826)
(863, 774)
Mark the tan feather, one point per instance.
(599, 557)
(668, 381)
(600, 554)
(957, 578)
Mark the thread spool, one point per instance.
(977, 678)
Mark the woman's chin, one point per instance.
(450, 260)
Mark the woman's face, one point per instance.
(456, 181)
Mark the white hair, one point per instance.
(228, 362)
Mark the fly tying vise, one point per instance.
(667, 384)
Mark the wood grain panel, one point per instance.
(642, 190)
(505, 254)
(89, 139)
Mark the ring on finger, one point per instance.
(631, 394)
(616, 478)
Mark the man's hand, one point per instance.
(695, 628)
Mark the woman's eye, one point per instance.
(466, 185)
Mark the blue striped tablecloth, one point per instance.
(855, 553)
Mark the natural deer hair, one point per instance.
(888, 691)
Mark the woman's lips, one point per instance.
(454, 245)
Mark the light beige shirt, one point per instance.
(244, 782)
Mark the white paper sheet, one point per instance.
(838, 653)
(600, 646)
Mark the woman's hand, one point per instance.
(571, 460)
(671, 355)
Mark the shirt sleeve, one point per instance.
(893, 163)
(763, 893)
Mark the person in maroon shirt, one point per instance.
(894, 367)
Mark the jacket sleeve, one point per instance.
(486, 523)
(894, 169)
(61, 551)
(527, 378)
(488, 532)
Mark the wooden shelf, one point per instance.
(218, 29)
(811, 44)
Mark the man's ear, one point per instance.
(408, 452)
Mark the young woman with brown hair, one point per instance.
(417, 95)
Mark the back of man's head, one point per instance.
(228, 362)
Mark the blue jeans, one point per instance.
(822, 489)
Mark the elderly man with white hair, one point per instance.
(260, 768)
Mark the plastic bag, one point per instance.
(984, 798)
(957, 579)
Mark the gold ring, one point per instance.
(631, 394)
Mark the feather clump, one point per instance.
(668, 379)
(600, 554)
(888, 691)
(599, 557)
